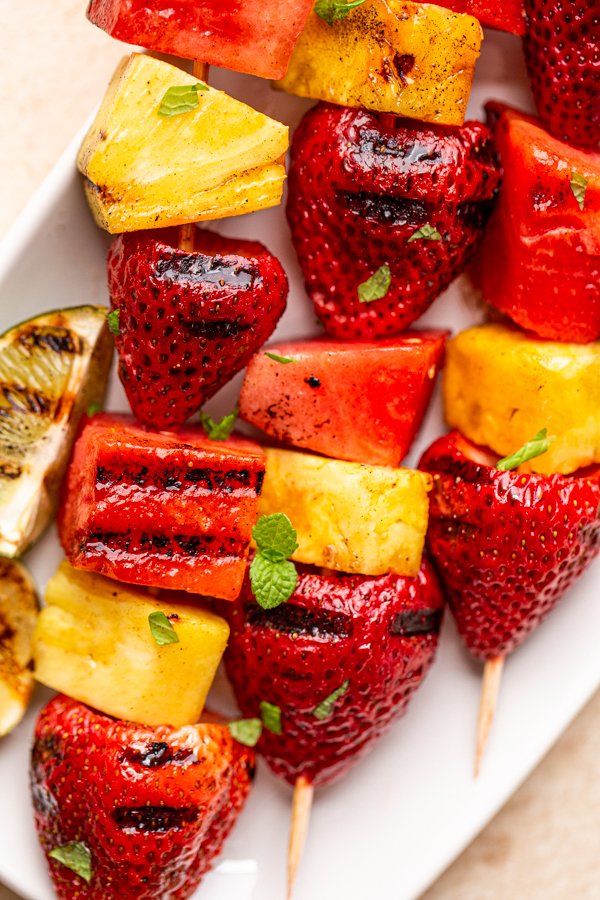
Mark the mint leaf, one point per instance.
(275, 536)
(112, 318)
(162, 630)
(331, 11)
(76, 857)
(377, 286)
(579, 185)
(271, 716)
(180, 99)
(535, 447)
(325, 707)
(219, 431)
(425, 233)
(246, 731)
(273, 581)
(280, 359)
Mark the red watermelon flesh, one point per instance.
(358, 401)
(539, 261)
(252, 37)
(161, 509)
(506, 15)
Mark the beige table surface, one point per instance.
(544, 845)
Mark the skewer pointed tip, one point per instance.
(492, 674)
(301, 806)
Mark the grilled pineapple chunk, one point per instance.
(51, 369)
(93, 642)
(355, 518)
(502, 386)
(411, 59)
(143, 170)
(18, 614)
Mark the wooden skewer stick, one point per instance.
(301, 806)
(492, 673)
(187, 231)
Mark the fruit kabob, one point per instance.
(460, 171)
(509, 537)
(161, 797)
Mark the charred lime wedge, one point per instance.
(18, 615)
(51, 369)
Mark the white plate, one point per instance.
(390, 827)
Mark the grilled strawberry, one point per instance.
(507, 545)
(188, 321)
(392, 205)
(146, 808)
(161, 509)
(561, 50)
(370, 639)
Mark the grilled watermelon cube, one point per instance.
(362, 402)
(505, 15)
(161, 509)
(252, 37)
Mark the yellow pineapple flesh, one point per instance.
(502, 386)
(18, 614)
(93, 641)
(411, 59)
(143, 170)
(351, 517)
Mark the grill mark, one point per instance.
(197, 267)
(387, 210)
(60, 340)
(10, 471)
(292, 619)
(475, 213)
(154, 819)
(214, 329)
(99, 542)
(412, 622)
(172, 480)
(159, 753)
(22, 400)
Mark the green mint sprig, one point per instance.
(162, 630)
(221, 429)
(180, 99)
(75, 856)
(332, 11)
(535, 447)
(579, 185)
(325, 707)
(272, 576)
(377, 286)
(114, 325)
(425, 233)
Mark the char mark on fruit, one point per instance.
(375, 149)
(403, 64)
(10, 471)
(474, 215)
(158, 753)
(214, 329)
(22, 400)
(232, 481)
(412, 622)
(58, 340)
(214, 270)
(292, 619)
(99, 543)
(154, 819)
(385, 209)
